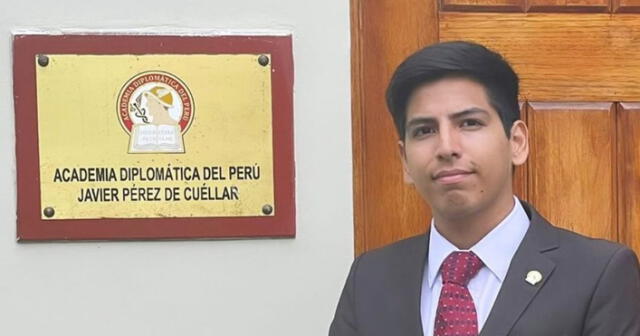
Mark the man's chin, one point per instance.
(454, 204)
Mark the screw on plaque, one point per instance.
(267, 209)
(43, 60)
(49, 212)
(263, 60)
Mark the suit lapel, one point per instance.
(515, 293)
(408, 280)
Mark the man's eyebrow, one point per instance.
(421, 121)
(453, 116)
(467, 112)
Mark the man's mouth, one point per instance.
(450, 176)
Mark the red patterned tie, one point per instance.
(456, 314)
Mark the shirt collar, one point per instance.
(495, 249)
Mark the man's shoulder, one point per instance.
(590, 252)
(570, 244)
(601, 277)
(410, 244)
(582, 241)
(412, 249)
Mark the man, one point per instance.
(489, 265)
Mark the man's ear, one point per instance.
(403, 158)
(519, 142)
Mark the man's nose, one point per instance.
(448, 144)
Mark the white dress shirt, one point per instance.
(496, 250)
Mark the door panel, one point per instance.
(626, 6)
(483, 5)
(559, 57)
(568, 6)
(629, 174)
(572, 179)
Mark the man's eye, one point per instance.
(421, 131)
(471, 123)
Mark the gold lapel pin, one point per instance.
(533, 277)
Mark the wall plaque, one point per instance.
(142, 137)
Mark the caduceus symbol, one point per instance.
(140, 112)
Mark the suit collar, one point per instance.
(515, 293)
(496, 249)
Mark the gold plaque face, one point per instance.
(149, 136)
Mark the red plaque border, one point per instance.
(31, 227)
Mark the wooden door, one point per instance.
(579, 66)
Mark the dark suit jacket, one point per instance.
(589, 287)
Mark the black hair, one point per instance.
(455, 59)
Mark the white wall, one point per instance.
(242, 287)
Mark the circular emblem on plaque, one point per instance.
(155, 108)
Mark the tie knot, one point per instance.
(460, 267)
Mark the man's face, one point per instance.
(455, 150)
